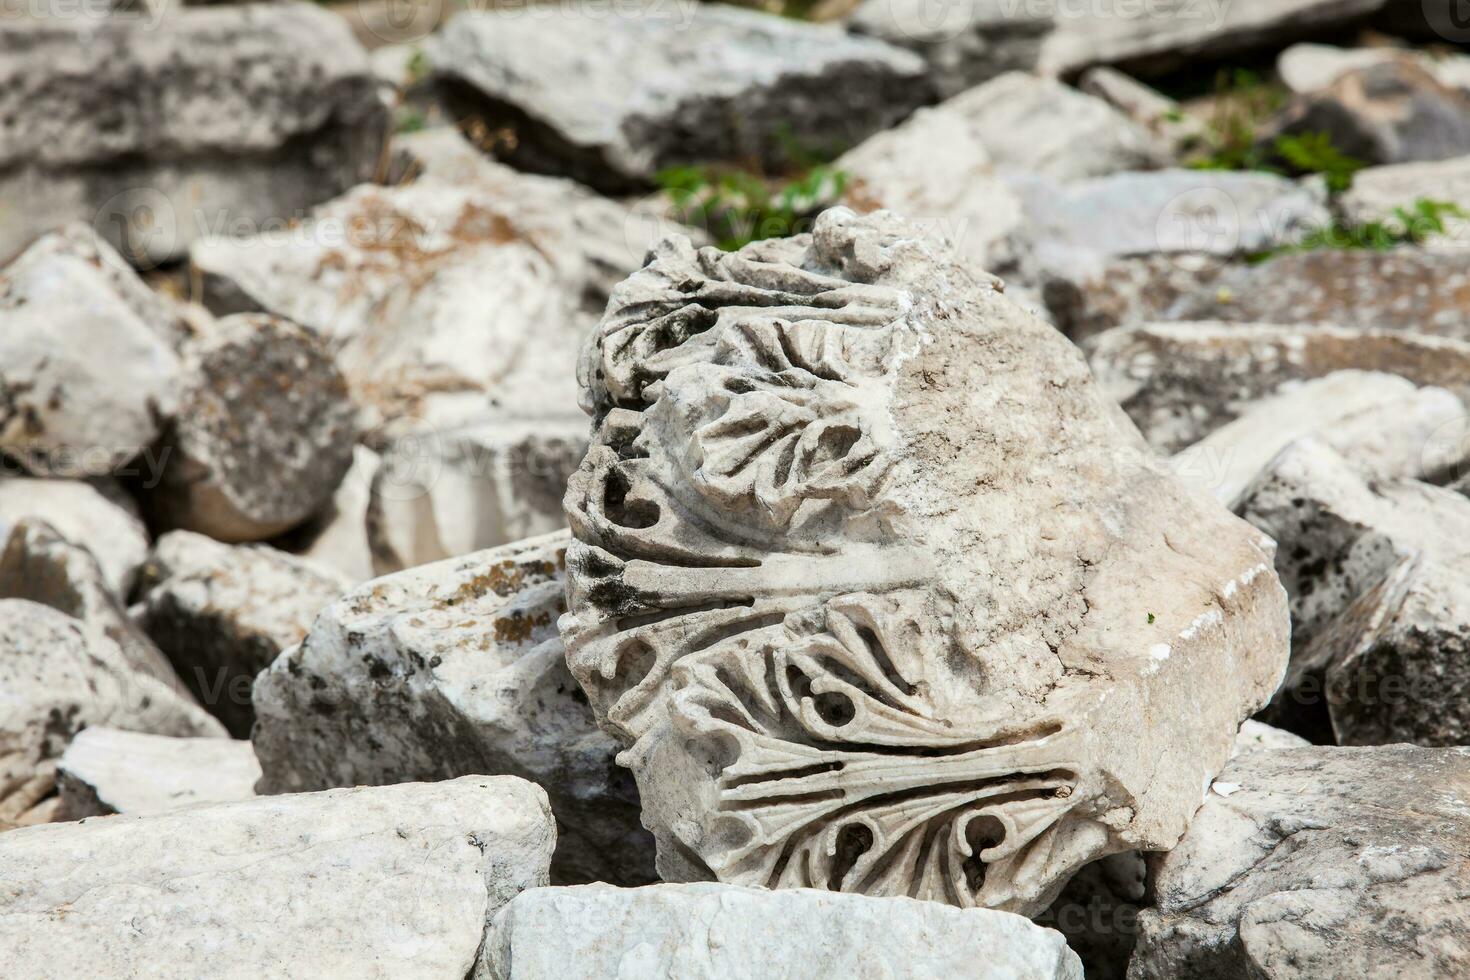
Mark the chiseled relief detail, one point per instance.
(759, 612)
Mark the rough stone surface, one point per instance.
(1039, 127)
(1257, 737)
(223, 612)
(338, 535)
(611, 99)
(963, 43)
(1378, 191)
(664, 932)
(394, 881)
(1305, 68)
(107, 770)
(934, 169)
(85, 515)
(40, 565)
(1401, 289)
(1181, 381)
(85, 381)
(1171, 32)
(1148, 107)
(876, 583)
(1394, 112)
(159, 130)
(1085, 301)
(450, 669)
(1317, 862)
(58, 679)
(1384, 424)
(479, 483)
(263, 436)
(1077, 229)
(440, 289)
(1380, 607)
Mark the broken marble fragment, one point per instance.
(1165, 33)
(223, 612)
(200, 119)
(1384, 425)
(87, 377)
(1181, 381)
(389, 881)
(881, 591)
(1039, 127)
(263, 435)
(1412, 289)
(84, 515)
(963, 43)
(490, 479)
(59, 678)
(38, 564)
(108, 770)
(445, 670)
(675, 932)
(1380, 609)
(1315, 862)
(612, 99)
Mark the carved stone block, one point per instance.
(880, 591)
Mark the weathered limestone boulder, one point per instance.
(395, 881)
(191, 121)
(664, 932)
(108, 770)
(1385, 425)
(1077, 229)
(263, 435)
(1393, 112)
(337, 536)
(1380, 607)
(1318, 862)
(78, 254)
(1150, 108)
(446, 670)
(1377, 192)
(963, 43)
(1169, 32)
(934, 169)
(222, 613)
(1400, 289)
(612, 98)
(85, 380)
(1134, 289)
(59, 678)
(1306, 68)
(40, 565)
(435, 291)
(1255, 736)
(881, 591)
(486, 481)
(1035, 126)
(1181, 381)
(83, 514)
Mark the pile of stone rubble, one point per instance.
(422, 554)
